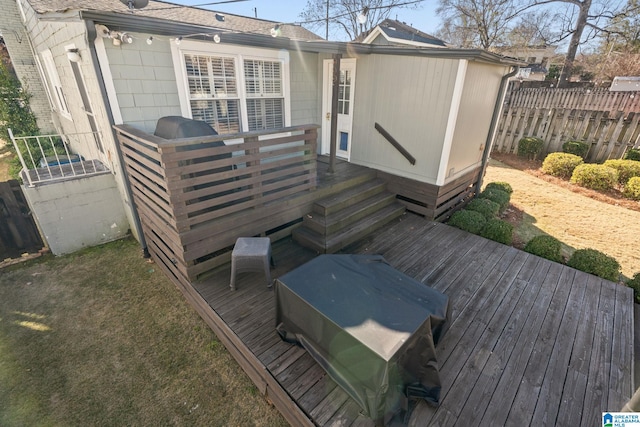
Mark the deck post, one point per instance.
(334, 111)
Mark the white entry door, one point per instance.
(345, 106)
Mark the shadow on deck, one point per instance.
(531, 342)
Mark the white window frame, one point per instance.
(239, 53)
(57, 93)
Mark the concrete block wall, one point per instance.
(78, 213)
(17, 41)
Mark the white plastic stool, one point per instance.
(251, 254)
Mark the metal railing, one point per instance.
(46, 158)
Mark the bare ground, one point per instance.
(578, 217)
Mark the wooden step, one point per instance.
(336, 241)
(344, 218)
(349, 197)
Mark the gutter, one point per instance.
(91, 37)
(145, 24)
(497, 109)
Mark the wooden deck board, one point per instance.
(530, 341)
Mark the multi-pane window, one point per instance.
(265, 97)
(344, 91)
(215, 93)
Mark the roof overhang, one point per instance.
(136, 23)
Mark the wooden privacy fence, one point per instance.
(608, 121)
(195, 195)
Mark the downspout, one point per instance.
(91, 37)
(497, 109)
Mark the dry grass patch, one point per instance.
(102, 337)
(578, 217)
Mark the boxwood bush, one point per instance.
(595, 262)
(595, 177)
(486, 207)
(499, 185)
(470, 221)
(500, 197)
(632, 189)
(635, 285)
(545, 246)
(627, 169)
(633, 154)
(530, 147)
(578, 148)
(498, 230)
(561, 164)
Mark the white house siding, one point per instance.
(144, 80)
(481, 85)
(410, 97)
(55, 35)
(17, 41)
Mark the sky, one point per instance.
(424, 18)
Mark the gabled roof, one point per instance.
(396, 32)
(176, 13)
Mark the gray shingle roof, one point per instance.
(178, 13)
(400, 30)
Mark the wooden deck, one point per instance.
(531, 342)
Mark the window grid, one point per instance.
(344, 92)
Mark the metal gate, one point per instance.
(18, 231)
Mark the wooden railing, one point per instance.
(195, 196)
(391, 140)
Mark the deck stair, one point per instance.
(348, 216)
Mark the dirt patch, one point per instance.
(5, 161)
(578, 217)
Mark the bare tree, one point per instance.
(477, 23)
(344, 15)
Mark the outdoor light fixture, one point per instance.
(275, 31)
(150, 40)
(216, 38)
(117, 41)
(178, 40)
(362, 18)
(126, 38)
(73, 55)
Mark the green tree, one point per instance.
(15, 112)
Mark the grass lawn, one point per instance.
(578, 217)
(101, 337)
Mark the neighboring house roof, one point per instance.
(178, 13)
(396, 32)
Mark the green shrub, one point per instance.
(530, 147)
(633, 154)
(498, 230)
(632, 189)
(500, 197)
(595, 177)
(577, 148)
(499, 185)
(470, 221)
(561, 164)
(486, 207)
(595, 262)
(635, 285)
(545, 246)
(627, 169)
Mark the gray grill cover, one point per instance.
(371, 327)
